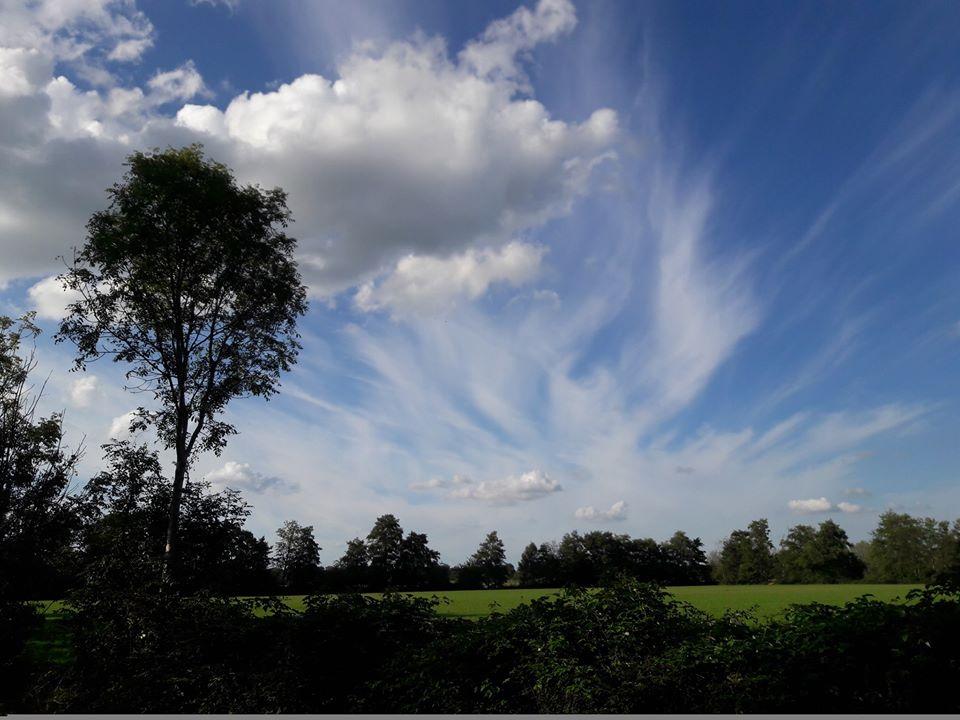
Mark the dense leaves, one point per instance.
(190, 280)
(624, 648)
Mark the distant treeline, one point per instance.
(123, 510)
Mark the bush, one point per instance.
(623, 649)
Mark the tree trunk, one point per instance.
(173, 520)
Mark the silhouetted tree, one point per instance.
(419, 565)
(384, 546)
(747, 555)
(188, 278)
(906, 549)
(685, 560)
(487, 567)
(124, 513)
(297, 557)
(539, 566)
(351, 571)
(36, 521)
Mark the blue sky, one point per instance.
(636, 266)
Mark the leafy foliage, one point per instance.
(190, 280)
(625, 648)
(747, 556)
(297, 557)
(124, 519)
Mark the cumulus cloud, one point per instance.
(506, 491)
(428, 284)
(849, 507)
(617, 511)
(497, 49)
(813, 505)
(83, 390)
(856, 492)
(49, 298)
(182, 83)
(406, 151)
(85, 33)
(120, 426)
(240, 476)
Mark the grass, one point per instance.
(51, 641)
(766, 600)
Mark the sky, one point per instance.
(635, 266)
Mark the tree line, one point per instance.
(901, 549)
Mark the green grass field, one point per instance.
(52, 642)
(767, 600)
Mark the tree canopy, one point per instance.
(189, 279)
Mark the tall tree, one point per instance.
(36, 468)
(539, 566)
(685, 560)
(352, 570)
(384, 545)
(487, 567)
(190, 279)
(906, 549)
(419, 565)
(297, 556)
(124, 511)
(747, 555)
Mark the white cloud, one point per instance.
(182, 83)
(431, 285)
(23, 71)
(83, 32)
(617, 511)
(813, 505)
(856, 492)
(407, 151)
(496, 50)
(240, 476)
(511, 489)
(702, 310)
(49, 298)
(120, 426)
(436, 483)
(83, 390)
(849, 507)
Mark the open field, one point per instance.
(51, 641)
(767, 600)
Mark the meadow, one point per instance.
(766, 600)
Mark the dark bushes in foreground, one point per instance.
(625, 648)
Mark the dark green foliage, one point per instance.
(388, 561)
(626, 648)
(36, 521)
(912, 550)
(824, 555)
(124, 521)
(747, 556)
(600, 556)
(297, 558)
(539, 566)
(190, 280)
(487, 567)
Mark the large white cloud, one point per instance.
(502, 491)
(240, 476)
(409, 151)
(428, 284)
(513, 488)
